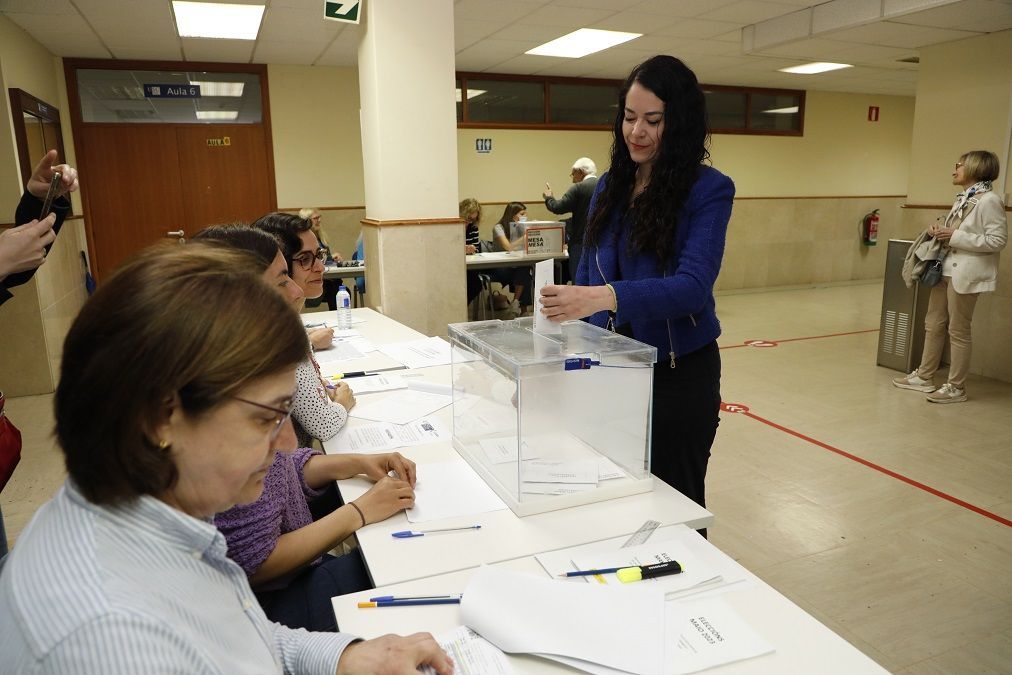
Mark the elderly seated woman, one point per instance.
(175, 395)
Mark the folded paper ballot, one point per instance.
(619, 628)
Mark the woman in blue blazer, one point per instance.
(652, 252)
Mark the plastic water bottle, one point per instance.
(343, 309)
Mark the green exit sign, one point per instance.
(348, 11)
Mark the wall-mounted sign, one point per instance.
(483, 145)
(219, 142)
(172, 91)
(346, 11)
(544, 239)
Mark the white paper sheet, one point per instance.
(472, 654)
(556, 488)
(342, 350)
(694, 573)
(399, 407)
(704, 562)
(544, 275)
(525, 614)
(608, 470)
(373, 383)
(503, 449)
(449, 489)
(384, 437)
(431, 351)
(560, 471)
(706, 633)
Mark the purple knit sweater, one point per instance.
(252, 530)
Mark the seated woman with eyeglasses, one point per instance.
(276, 539)
(321, 408)
(176, 381)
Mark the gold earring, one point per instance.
(163, 444)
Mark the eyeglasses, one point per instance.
(959, 164)
(307, 259)
(283, 414)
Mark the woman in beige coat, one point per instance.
(974, 231)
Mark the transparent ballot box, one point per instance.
(552, 421)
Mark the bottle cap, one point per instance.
(343, 288)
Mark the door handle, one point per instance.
(180, 234)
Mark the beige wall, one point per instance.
(964, 102)
(34, 323)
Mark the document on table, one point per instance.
(449, 489)
(620, 628)
(372, 383)
(504, 449)
(383, 436)
(560, 471)
(400, 407)
(706, 570)
(544, 275)
(343, 350)
(472, 654)
(703, 634)
(431, 351)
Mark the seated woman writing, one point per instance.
(276, 538)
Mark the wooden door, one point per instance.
(134, 190)
(146, 181)
(224, 173)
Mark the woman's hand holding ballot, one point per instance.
(563, 303)
(390, 494)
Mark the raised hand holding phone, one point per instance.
(42, 179)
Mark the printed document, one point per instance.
(472, 654)
(380, 437)
(373, 383)
(431, 351)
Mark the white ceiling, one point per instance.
(740, 42)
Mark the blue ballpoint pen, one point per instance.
(407, 534)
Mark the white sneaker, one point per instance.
(947, 394)
(911, 381)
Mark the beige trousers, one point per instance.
(946, 306)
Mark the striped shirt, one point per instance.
(139, 588)
(472, 237)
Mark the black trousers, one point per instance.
(685, 418)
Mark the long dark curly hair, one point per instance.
(675, 169)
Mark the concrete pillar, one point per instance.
(414, 239)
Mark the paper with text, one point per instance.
(373, 383)
(472, 654)
(431, 351)
(560, 471)
(384, 437)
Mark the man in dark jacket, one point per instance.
(575, 201)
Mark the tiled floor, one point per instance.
(917, 582)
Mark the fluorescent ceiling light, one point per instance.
(817, 67)
(782, 111)
(233, 89)
(217, 20)
(582, 42)
(471, 93)
(217, 114)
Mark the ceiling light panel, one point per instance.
(217, 114)
(233, 89)
(582, 42)
(217, 20)
(816, 67)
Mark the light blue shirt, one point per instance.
(139, 588)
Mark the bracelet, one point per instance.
(360, 514)
(614, 296)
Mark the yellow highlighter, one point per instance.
(629, 574)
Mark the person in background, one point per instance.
(575, 201)
(508, 235)
(174, 396)
(23, 248)
(653, 249)
(974, 231)
(470, 212)
(330, 286)
(321, 407)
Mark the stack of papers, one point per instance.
(431, 351)
(399, 407)
(472, 654)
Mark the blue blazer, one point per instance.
(670, 307)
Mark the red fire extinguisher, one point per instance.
(869, 228)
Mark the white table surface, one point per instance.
(803, 645)
(479, 261)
